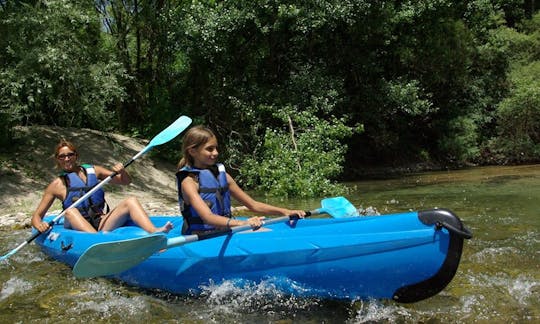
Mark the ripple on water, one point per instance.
(493, 295)
(489, 254)
(92, 299)
(14, 286)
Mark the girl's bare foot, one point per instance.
(165, 229)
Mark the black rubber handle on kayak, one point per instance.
(464, 232)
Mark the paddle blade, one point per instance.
(338, 207)
(170, 132)
(114, 257)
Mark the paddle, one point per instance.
(337, 207)
(164, 136)
(109, 258)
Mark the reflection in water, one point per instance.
(498, 279)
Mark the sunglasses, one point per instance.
(67, 155)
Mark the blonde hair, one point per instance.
(63, 143)
(195, 136)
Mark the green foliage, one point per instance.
(408, 97)
(461, 143)
(299, 150)
(298, 161)
(255, 64)
(519, 116)
(53, 69)
(482, 17)
(439, 80)
(140, 34)
(424, 77)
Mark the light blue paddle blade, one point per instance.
(106, 258)
(338, 207)
(169, 133)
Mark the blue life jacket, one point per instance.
(214, 190)
(76, 188)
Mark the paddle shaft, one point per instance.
(164, 136)
(184, 239)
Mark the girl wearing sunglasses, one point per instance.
(93, 214)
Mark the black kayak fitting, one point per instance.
(440, 218)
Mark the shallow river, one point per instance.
(498, 279)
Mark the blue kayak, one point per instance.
(405, 257)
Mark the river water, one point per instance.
(498, 279)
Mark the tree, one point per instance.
(54, 69)
(518, 115)
(138, 31)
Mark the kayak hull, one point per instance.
(406, 257)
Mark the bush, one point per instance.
(519, 116)
(300, 163)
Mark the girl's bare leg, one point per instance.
(77, 222)
(131, 207)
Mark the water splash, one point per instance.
(368, 211)
(241, 294)
(14, 286)
(522, 289)
(242, 299)
(373, 311)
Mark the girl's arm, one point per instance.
(122, 178)
(50, 193)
